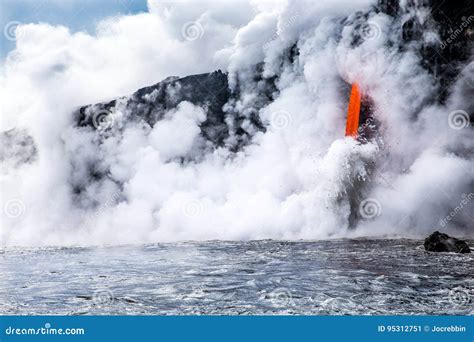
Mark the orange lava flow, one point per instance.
(353, 112)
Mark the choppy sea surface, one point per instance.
(349, 277)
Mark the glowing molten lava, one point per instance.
(353, 112)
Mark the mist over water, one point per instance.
(298, 178)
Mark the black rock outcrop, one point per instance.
(210, 91)
(452, 21)
(440, 242)
(150, 104)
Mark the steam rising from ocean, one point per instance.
(298, 179)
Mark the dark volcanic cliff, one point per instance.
(453, 21)
(210, 91)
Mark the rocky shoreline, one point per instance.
(440, 242)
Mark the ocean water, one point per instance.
(338, 277)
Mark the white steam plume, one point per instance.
(296, 180)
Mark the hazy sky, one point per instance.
(78, 15)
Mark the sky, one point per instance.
(78, 15)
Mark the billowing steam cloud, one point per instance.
(298, 178)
